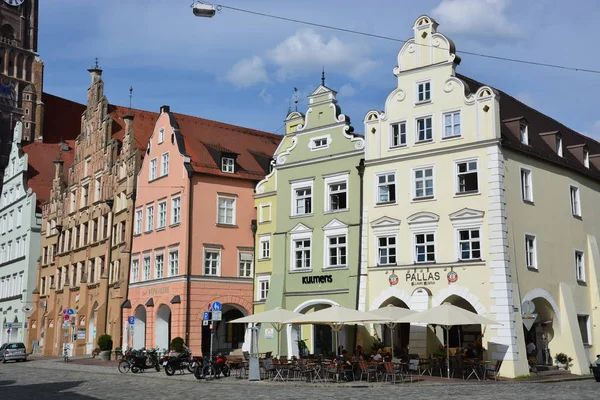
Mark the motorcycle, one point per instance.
(145, 359)
(180, 362)
(212, 369)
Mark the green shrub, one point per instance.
(105, 342)
(177, 344)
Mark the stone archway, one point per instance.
(320, 339)
(462, 336)
(546, 327)
(91, 343)
(14, 331)
(139, 328)
(162, 332)
(401, 332)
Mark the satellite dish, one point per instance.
(27, 309)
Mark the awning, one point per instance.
(126, 304)
(176, 300)
(150, 303)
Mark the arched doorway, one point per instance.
(14, 331)
(228, 337)
(139, 328)
(319, 339)
(401, 332)
(462, 335)
(91, 343)
(543, 331)
(162, 333)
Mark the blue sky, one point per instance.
(242, 69)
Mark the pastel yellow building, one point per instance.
(474, 198)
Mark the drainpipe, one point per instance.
(188, 306)
(361, 172)
(109, 203)
(126, 334)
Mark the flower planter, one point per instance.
(105, 355)
(561, 366)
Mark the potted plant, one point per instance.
(105, 344)
(118, 352)
(302, 348)
(177, 345)
(562, 361)
(532, 363)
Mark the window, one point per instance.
(11, 222)
(467, 176)
(386, 188)
(123, 231)
(423, 92)
(584, 327)
(302, 201)
(424, 129)
(164, 164)
(19, 216)
(526, 188)
(152, 172)
(319, 143)
(265, 213)
(226, 211)
(338, 193)
(452, 124)
(173, 262)
(263, 287)
(425, 247)
(586, 158)
(149, 218)
(245, 270)
(559, 146)
(265, 247)
(161, 135)
(211, 262)
(176, 210)
(73, 204)
(159, 268)
(97, 189)
(84, 195)
(575, 203)
(398, 134)
(386, 250)
(530, 252)
(423, 183)
(138, 221)
(524, 134)
(469, 244)
(337, 251)
(43, 284)
(228, 165)
(301, 254)
(162, 214)
(579, 266)
(146, 269)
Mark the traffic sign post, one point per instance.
(216, 306)
(206, 316)
(131, 320)
(216, 315)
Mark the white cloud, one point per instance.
(309, 51)
(346, 90)
(247, 72)
(265, 96)
(480, 19)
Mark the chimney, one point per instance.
(128, 127)
(58, 168)
(165, 109)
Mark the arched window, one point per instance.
(7, 31)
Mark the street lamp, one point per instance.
(205, 10)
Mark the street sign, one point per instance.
(205, 322)
(67, 317)
(9, 326)
(131, 320)
(216, 315)
(216, 306)
(209, 307)
(65, 325)
(131, 330)
(70, 311)
(206, 316)
(64, 311)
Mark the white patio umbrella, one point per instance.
(336, 317)
(393, 314)
(275, 317)
(447, 316)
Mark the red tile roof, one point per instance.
(41, 168)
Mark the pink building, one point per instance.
(193, 231)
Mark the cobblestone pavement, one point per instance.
(53, 379)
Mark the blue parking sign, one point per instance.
(206, 315)
(131, 320)
(216, 306)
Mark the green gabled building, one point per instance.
(309, 220)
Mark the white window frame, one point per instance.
(228, 165)
(146, 272)
(335, 229)
(524, 133)
(453, 124)
(423, 84)
(162, 215)
(586, 158)
(470, 241)
(336, 180)
(139, 220)
(264, 252)
(262, 208)
(152, 169)
(161, 135)
(534, 260)
(588, 326)
(149, 218)
(457, 175)
(176, 210)
(298, 185)
(424, 118)
(301, 236)
(260, 281)
(324, 141)
(173, 259)
(426, 243)
(159, 272)
(19, 216)
(378, 249)
(559, 146)
(575, 200)
(580, 274)
(211, 250)
(526, 195)
(240, 264)
(233, 210)
(164, 164)
(401, 143)
(414, 180)
(386, 183)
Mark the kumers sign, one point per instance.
(422, 278)
(317, 279)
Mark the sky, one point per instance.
(242, 69)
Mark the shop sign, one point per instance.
(422, 278)
(308, 280)
(81, 333)
(269, 333)
(156, 291)
(393, 279)
(452, 276)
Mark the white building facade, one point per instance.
(19, 244)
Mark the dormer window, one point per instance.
(320, 143)
(228, 165)
(524, 134)
(161, 135)
(559, 146)
(586, 158)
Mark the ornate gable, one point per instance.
(423, 217)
